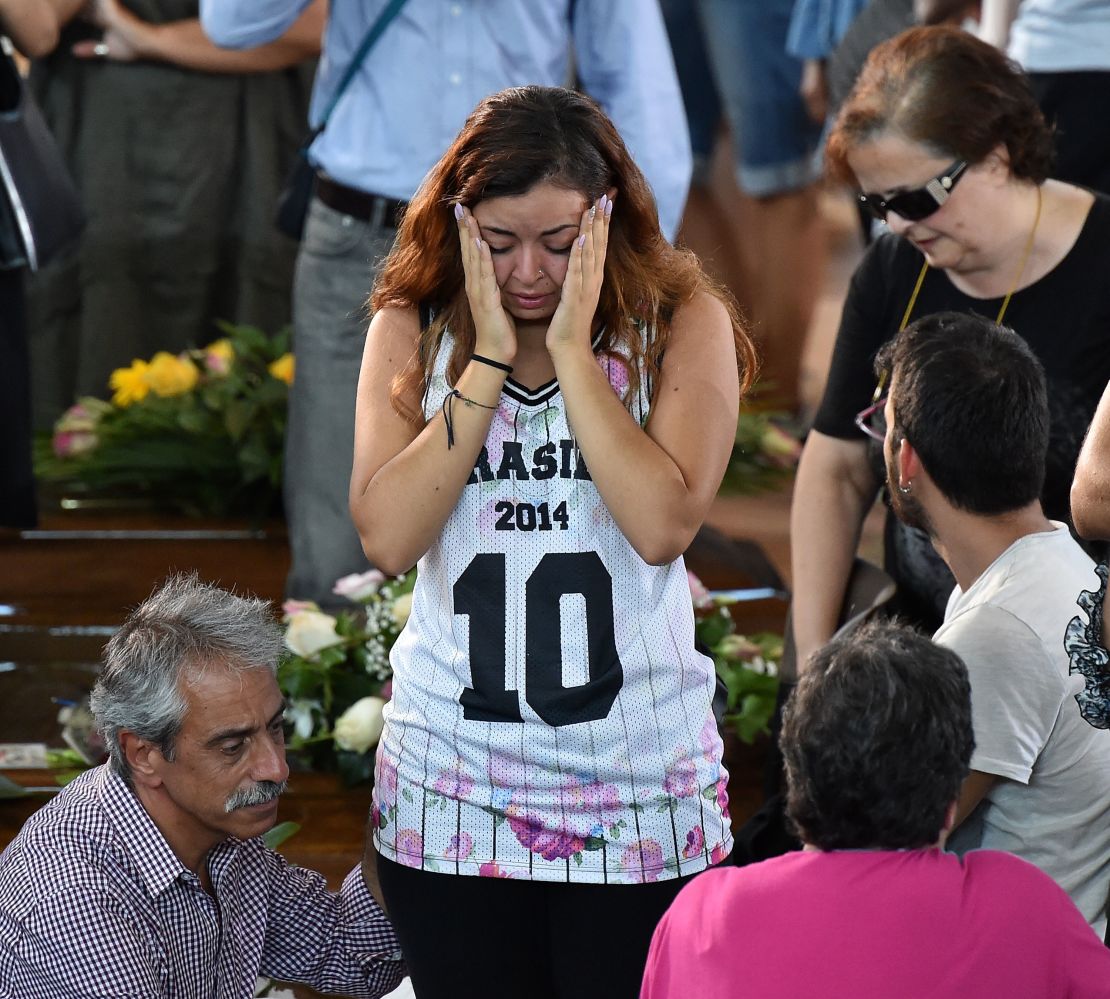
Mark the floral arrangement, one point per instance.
(748, 665)
(201, 431)
(337, 677)
(763, 455)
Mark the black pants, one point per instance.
(1075, 104)
(500, 938)
(17, 484)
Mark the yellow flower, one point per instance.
(218, 356)
(168, 375)
(129, 385)
(282, 369)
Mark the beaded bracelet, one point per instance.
(447, 400)
(492, 363)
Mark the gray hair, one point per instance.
(181, 628)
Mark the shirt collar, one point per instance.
(153, 859)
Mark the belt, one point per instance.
(359, 204)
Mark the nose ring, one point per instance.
(540, 274)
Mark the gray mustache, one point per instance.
(258, 793)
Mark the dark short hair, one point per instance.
(948, 90)
(877, 739)
(970, 397)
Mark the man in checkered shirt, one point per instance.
(145, 877)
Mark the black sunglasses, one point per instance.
(919, 203)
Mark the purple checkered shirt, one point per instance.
(93, 902)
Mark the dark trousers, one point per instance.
(482, 937)
(17, 484)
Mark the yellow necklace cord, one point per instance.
(1024, 260)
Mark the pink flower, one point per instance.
(505, 770)
(709, 739)
(359, 586)
(616, 370)
(722, 795)
(643, 861)
(410, 848)
(385, 783)
(681, 778)
(375, 815)
(783, 449)
(83, 415)
(454, 784)
(698, 592)
(72, 443)
(695, 843)
(719, 854)
(585, 809)
(459, 847)
(218, 356)
(551, 844)
(493, 871)
(291, 608)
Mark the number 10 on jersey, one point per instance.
(480, 594)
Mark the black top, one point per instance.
(1064, 317)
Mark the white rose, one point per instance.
(401, 609)
(310, 631)
(301, 713)
(360, 726)
(359, 586)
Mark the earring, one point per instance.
(905, 489)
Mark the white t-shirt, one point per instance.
(1052, 806)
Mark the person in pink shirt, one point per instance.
(877, 740)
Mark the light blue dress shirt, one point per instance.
(438, 58)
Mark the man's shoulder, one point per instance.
(1027, 595)
(67, 845)
(985, 625)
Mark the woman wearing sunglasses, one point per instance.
(942, 136)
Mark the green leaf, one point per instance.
(64, 777)
(711, 628)
(594, 843)
(406, 794)
(280, 833)
(65, 759)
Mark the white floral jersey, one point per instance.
(550, 718)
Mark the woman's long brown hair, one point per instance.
(512, 141)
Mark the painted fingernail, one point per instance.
(602, 202)
(582, 240)
(608, 208)
(458, 212)
(478, 242)
(593, 212)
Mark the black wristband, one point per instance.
(493, 364)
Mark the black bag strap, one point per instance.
(389, 12)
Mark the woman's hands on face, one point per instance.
(495, 332)
(573, 319)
